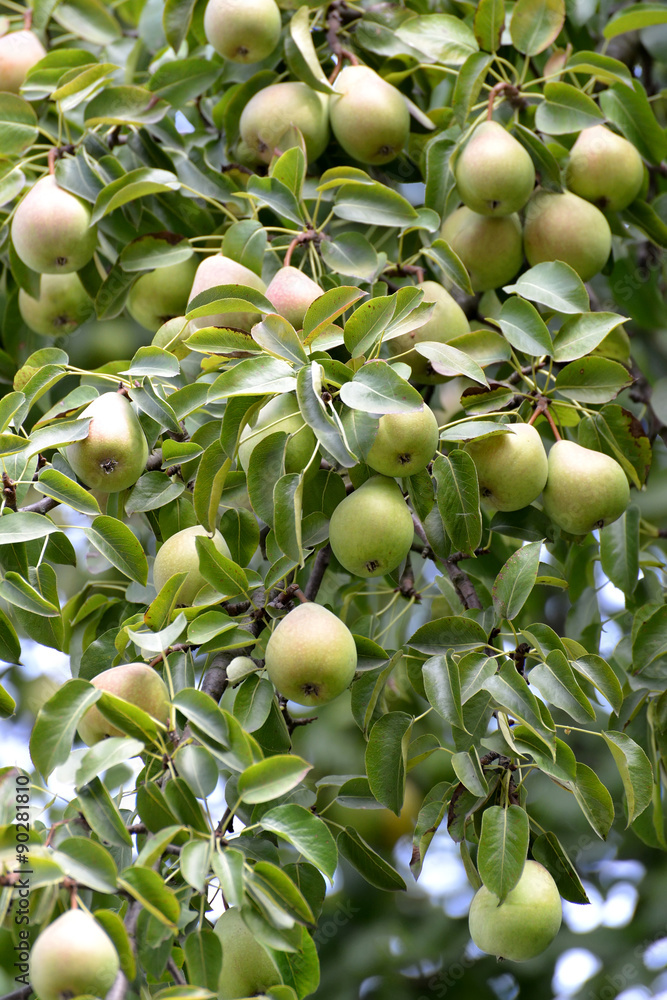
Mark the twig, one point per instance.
(176, 973)
(317, 573)
(21, 994)
(463, 586)
(513, 96)
(334, 26)
(41, 506)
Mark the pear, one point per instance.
(490, 248)
(511, 468)
(19, 51)
(271, 112)
(135, 682)
(280, 414)
(494, 173)
(568, 228)
(161, 294)
(291, 292)
(369, 117)
(405, 443)
(525, 923)
(585, 489)
(71, 957)
(178, 554)
(62, 306)
(221, 270)
(447, 321)
(51, 229)
(242, 32)
(371, 530)
(114, 454)
(247, 968)
(604, 168)
(311, 656)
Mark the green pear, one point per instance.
(494, 173)
(585, 489)
(114, 454)
(568, 228)
(371, 530)
(511, 468)
(291, 292)
(369, 117)
(271, 112)
(178, 554)
(242, 32)
(135, 682)
(604, 168)
(159, 295)
(221, 270)
(490, 248)
(311, 657)
(525, 923)
(405, 443)
(281, 414)
(447, 321)
(62, 306)
(247, 968)
(19, 51)
(71, 957)
(51, 229)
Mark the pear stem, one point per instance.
(498, 88)
(543, 407)
(334, 26)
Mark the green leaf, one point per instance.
(288, 504)
(473, 73)
(149, 889)
(301, 54)
(209, 484)
(635, 770)
(117, 543)
(278, 337)
(456, 633)
(442, 37)
(386, 758)
(18, 123)
(89, 20)
(548, 850)
(308, 833)
(18, 592)
(105, 754)
(10, 646)
(515, 581)
(55, 484)
(634, 18)
(536, 24)
(373, 205)
(581, 334)
(558, 685)
(321, 314)
(468, 770)
(351, 255)
(24, 526)
(511, 692)
(592, 380)
(102, 815)
(314, 410)
(524, 328)
(630, 110)
(252, 377)
(203, 953)
(219, 571)
(457, 496)
(269, 779)
(277, 196)
(619, 551)
(598, 672)
(553, 284)
(88, 862)
(450, 264)
(503, 847)
(124, 106)
(566, 109)
(594, 800)
(448, 360)
(377, 388)
(370, 865)
(601, 67)
(442, 685)
(176, 19)
(489, 23)
(544, 160)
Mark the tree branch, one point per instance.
(461, 582)
(317, 573)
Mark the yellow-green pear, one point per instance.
(291, 292)
(178, 554)
(247, 968)
(563, 226)
(604, 168)
(404, 444)
(114, 454)
(371, 530)
(221, 270)
(311, 657)
(369, 117)
(511, 468)
(19, 51)
(244, 31)
(281, 414)
(525, 923)
(585, 489)
(494, 173)
(447, 321)
(159, 295)
(135, 682)
(71, 957)
(490, 248)
(62, 306)
(273, 111)
(51, 229)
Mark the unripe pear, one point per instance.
(405, 443)
(62, 306)
(159, 295)
(311, 657)
(178, 554)
(243, 32)
(291, 292)
(135, 682)
(562, 226)
(19, 51)
(511, 468)
(525, 923)
(371, 530)
(490, 248)
(281, 414)
(604, 168)
(114, 454)
(585, 489)
(447, 321)
(71, 957)
(369, 117)
(247, 968)
(221, 270)
(494, 173)
(51, 229)
(271, 112)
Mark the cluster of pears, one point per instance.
(73, 957)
